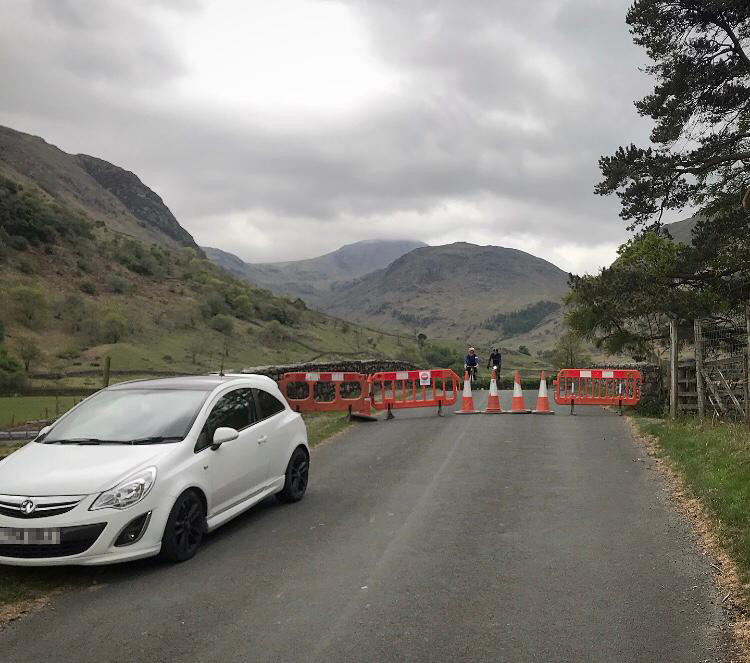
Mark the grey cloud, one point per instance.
(506, 108)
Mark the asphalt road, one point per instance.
(476, 538)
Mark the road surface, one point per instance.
(476, 538)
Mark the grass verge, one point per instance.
(22, 589)
(321, 426)
(707, 468)
(714, 462)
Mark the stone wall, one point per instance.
(367, 367)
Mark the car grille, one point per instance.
(73, 541)
(10, 505)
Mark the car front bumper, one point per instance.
(81, 523)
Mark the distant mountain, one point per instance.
(450, 291)
(101, 190)
(312, 279)
(682, 231)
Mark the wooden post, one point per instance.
(673, 365)
(698, 327)
(105, 377)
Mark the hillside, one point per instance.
(312, 279)
(682, 231)
(456, 292)
(75, 290)
(100, 190)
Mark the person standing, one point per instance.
(495, 361)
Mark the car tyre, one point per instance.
(185, 528)
(295, 479)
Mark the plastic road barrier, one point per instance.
(397, 390)
(328, 392)
(579, 386)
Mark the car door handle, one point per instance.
(262, 439)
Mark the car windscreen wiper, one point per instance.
(157, 439)
(85, 440)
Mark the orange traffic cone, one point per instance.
(467, 402)
(518, 406)
(542, 401)
(493, 402)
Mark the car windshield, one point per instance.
(130, 416)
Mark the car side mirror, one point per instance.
(222, 435)
(43, 432)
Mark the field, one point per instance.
(15, 410)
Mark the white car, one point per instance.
(149, 467)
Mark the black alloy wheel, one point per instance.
(185, 528)
(296, 478)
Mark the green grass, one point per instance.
(321, 426)
(8, 449)
(714, 461)
(16, 410)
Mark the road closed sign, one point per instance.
(424, 378)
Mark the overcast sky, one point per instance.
(283, 129)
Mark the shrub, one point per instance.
(26, 266)
(212, 305)
(273, 333)
(119, 285)
(12, 377)
(87, 287)
(30, 304)
(28, 350)
(222, 323)
(113, 328)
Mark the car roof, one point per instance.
(186, 382)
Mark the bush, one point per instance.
(524, 350)
(12, 377)
(222, 323)
(273, 333)
(212, 305)
(27, 218)
(119, 285)
(26, 266)
(30, 304)
(136, 257)
(113, 328)
(87, 287)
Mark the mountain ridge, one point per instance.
(311, 278)
(101, 190)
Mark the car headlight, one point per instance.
(127, 493)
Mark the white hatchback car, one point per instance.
(149, 467)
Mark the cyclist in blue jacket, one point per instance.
(471, 363)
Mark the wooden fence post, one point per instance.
(673, 365)
(105, 377)
(698, 327)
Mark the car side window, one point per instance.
(268, 404)
(233, 410)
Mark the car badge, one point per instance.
(28, 507)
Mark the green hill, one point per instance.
(76, 290)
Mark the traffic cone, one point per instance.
(542, 401)
(518, 406)
(493, 402)
(467, 402)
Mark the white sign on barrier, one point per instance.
(337, 377)
(312, 377)
(424, 378)
(402, 375)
